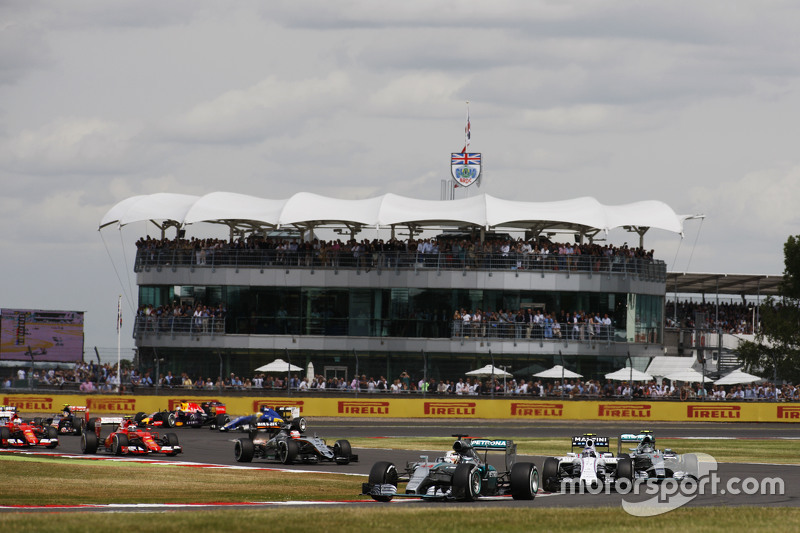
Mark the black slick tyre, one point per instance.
(342, 452)
(383, 473)
(88, 442)
(287, 451)
(466, 482)
(550, 474)
(524, 480)
(243, 450)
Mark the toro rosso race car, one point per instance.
(128, 438)
(71, 420)
(462, 474)
(280, 435)
(590, 463)
(14, 433)
(645, 461)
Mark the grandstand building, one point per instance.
(378, 296)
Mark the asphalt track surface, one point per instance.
(213, 447)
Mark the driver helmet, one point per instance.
(647, 445)
(264, 409)
(294, 434)
(184, 406)
(588, 452)
(451, 457)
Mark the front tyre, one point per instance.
(118, 442)
(243, 450)
(287, 451)
(524, 481)
(466, 482)
(383, 473)
(550, 474)
(342, 452)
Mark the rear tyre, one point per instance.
(118, 440)
(243, 450)
(287, 451)
(88, 442)
(342, 452)
(383, 473)
(169, 420)
(550, 474)
(139, 416)
(524, 481)
(466, 482)
(77, 425)
(91, 424)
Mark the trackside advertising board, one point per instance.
(382, 407)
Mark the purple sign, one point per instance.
(48, 335)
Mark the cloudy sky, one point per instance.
(692, 103)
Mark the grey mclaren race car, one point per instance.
(462, 474)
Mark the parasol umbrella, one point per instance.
(629, 374)
(689, 376)
(489, 370)
(279, 365)
(557, 372)
(737, 377)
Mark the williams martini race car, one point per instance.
(128, 438)
(462, 474)
(280, 435)
(16, 433)
(645, 461)
(589, 463)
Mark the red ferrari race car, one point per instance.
(127, 438)
(14, 433)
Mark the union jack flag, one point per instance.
(465, 159)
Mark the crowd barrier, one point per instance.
(431, 407)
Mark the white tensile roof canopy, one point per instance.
(307, 211)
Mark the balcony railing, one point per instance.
(399, 327)
(654, 270)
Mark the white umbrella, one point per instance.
(557, 372)
(688, 376)
(279, 365)
(737, 377)
(629, 374)
(310, 372)
(489, 370)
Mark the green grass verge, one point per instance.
(411, 517)
(784, 451)
(32, 480)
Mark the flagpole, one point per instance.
(119, 344)
(466, 132)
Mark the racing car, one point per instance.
(14, 433)
(589, 463)
(283, 439)
(128, 438)
(192, 414)
(462, 474)
(267, 418)
(645, 461)
(71, 420)
(164, 419)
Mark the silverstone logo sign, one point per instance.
(354, 407)
(36, 404)
(450, 408)
(714, 411)
(623, 410)
(111, 405)
(536, 409)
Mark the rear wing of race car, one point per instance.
(600, 443)
(8, 413)
(493, 445)
(288, 413)
(634, 439)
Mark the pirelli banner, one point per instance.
(382, 407)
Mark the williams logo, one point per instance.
(111, 405)
(363, 408)
(789, 411)
(465, 168)
(450, 408)
(37, 404)
(537, 409)
(713, 411)
(258, 404)
(624, 410)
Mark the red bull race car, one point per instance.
(190, 414)
(129, 438)
(16, 433)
